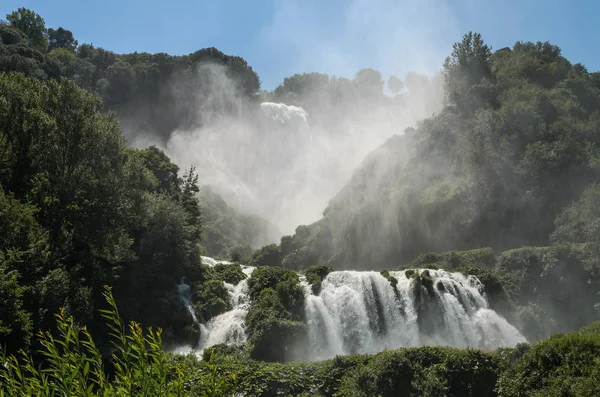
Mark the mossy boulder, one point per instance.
(386, 274)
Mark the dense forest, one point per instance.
(509, 162)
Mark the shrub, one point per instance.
(73, 366)
(212, 299)
(315, 275)
(564, 365)
(276, 316)
(269, 255)
(231, 274)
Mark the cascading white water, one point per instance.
(186, 296)
(285, 114)
(229, 327)
(212, 262)
(360, 312)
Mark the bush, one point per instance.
(315, 275)
(269, 277)
(276, 316)
(73, 366)
(426, 371)
(564, 365)
(451, 260)
(592, 328)
(231, 274)
(269, 255)
(212, 299)
(393, 281)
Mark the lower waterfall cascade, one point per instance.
(359, 312)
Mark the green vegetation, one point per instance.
(276, 314)
(315, 275)
(231, 274)
(269, 255)
(229, 234)
(80, 210)
(142, 88)
(564, 365)
(509, 163)
(511, 160)
(74, 366)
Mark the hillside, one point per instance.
(511, 159)
(102, 245)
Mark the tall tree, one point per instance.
(31, 24)
(61, 38)
(468, 74)
(395, 84)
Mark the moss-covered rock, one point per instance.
(386, 274)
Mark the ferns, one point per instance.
(72, 364)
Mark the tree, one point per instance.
(15, 323)
(468, 73)
(368, 83)
(395, 84)
(121, 83)
(61, 38)
(31, 24)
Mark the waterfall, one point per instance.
(285, 114)
(212, 262)
(229, 327)
(361, 312)
(186, 295)
(358, 312)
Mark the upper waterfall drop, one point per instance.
(285, 114)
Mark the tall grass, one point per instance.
(72, 365)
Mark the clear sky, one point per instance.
(281, 37)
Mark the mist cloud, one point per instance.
(342, 37)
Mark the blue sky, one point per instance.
(281, 37)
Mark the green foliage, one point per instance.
(74, 366)
(427, 371)
(276, 314)
(31, 24)
(591, 328)
(212, 299)
(228, 233)
(386, 273)
(551, 288)
(231, 274)
(82, 210)
(61, 38)
(564, 365)
(580, 221)
(315, 275)
(15, 323)
(269, 255)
